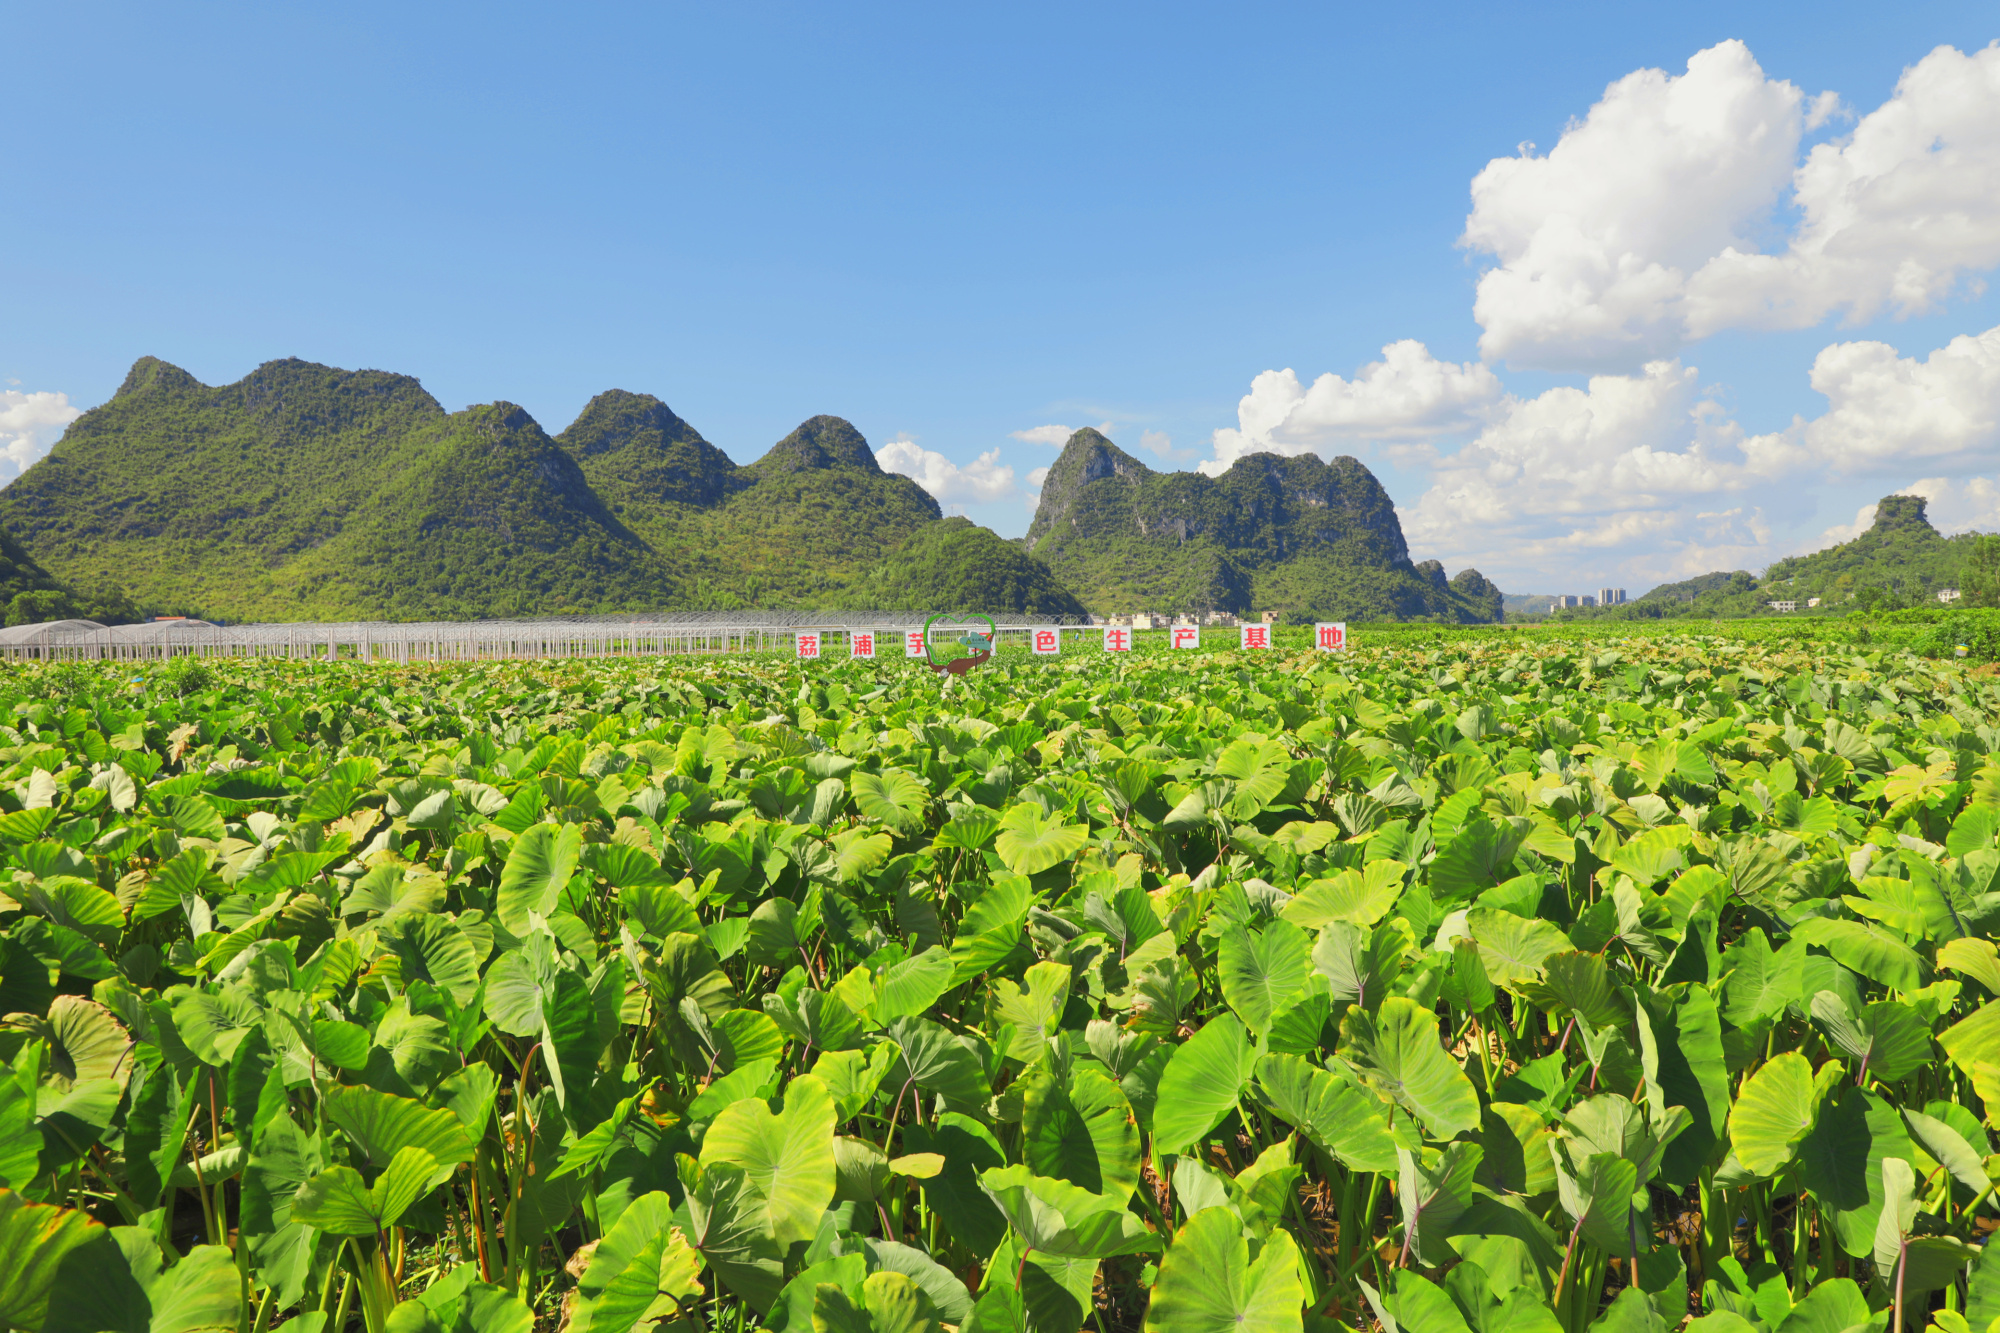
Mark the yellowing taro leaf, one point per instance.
(918, 1165)
(1975, 1040)
(1921, 783)
(1362, 897)
(1030, 842)
(1653, 855)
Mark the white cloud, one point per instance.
(1638, 232)
(1864, 519)
(1054, 436)
(1885, 410)
(1588, 467)
(1161, 445)
(1968, 504)
(985, 478)
(1034, 488)
(1637, 463)
(30, 424)
(1409, 395)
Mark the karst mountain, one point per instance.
(303, 491)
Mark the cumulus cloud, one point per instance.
(1885, 410)
(1638, 231)
(1409, 395)
(30, 424)
(1637, 463)
(985, 478)
(1054, 436)
(1601, 463)
(1967, 504)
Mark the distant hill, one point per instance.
(1532, 603)
(1900, 553)
(1900, 560)
(956, 565)
(1300, 536)
(1687, 590)
(307, 492)
(794, 528)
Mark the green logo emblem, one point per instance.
(975, 645)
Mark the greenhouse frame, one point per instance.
(666, 634)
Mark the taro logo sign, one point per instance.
(977, 644)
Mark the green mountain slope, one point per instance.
(1300, 536)
(1901, 560)
(955, 565)
(794, 528)
(1901, 553)
(307, 492)
(29, 594)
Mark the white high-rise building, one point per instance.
(1610, 596)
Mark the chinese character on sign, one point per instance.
(1256, 636)
(913, 643)
(1186, 636)
(1331, 638)
(862, 642)
(1117, 640)
(809, 645)
(1045, 641)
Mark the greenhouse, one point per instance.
(673, 633)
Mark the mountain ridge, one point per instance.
(1297, 535)
(306, 491)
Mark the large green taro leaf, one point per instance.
(1203, 1079)
(1397, 1053)
(787, 1157)
(1210, 1283)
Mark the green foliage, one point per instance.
(305, 492)
(1520, 980)
(955, 564)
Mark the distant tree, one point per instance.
(1980, 584)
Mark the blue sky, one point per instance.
(955, 226)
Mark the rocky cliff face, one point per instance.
(1301, 536)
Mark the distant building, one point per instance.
(1565, 601)
(1269, 618)
(1586, 600)
(1948, 594)
(1610, 596)
(1783, 606)
(1812, 601)
(1219, 618)
(1143, 620)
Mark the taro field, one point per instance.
(1469, 988)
